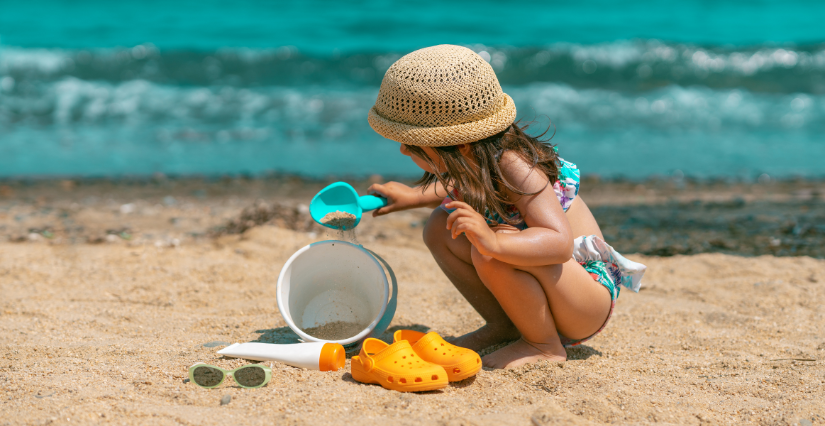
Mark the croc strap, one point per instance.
(369, 359)
(431, 337)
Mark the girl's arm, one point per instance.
(402, 197)
(548, 238)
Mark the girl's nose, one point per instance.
(405, 151)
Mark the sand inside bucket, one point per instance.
(336, 330)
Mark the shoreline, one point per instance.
(656, 217)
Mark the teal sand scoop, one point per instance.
(341, 196)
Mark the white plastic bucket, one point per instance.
(332, 281)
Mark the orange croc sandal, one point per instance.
(396, 367)
(459, 363)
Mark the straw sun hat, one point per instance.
(441, 96)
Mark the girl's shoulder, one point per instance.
(566, 185)
(514, 166)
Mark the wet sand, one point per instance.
(111, 290)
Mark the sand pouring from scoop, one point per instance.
(341, 197)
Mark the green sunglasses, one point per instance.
(248, 376)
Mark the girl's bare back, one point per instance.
(581, 219)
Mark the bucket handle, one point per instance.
(392, 304)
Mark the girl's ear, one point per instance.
(464, 149)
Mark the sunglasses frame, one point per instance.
(227, 373)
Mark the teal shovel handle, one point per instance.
(371, 202)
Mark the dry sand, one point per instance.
(104, 333)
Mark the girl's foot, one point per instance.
(522, 352)
(485, 337)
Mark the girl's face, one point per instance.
(423, 164)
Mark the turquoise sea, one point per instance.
(731, 89)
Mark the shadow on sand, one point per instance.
(285, 335)
(280, 335)
(581, 352)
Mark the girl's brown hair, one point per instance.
(481, 184)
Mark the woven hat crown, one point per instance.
(439, 96)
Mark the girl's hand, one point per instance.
(465, 220)
(399, 197)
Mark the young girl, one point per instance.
(507, 215)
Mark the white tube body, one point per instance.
(302, 355)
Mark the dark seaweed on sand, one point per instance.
(792, 228)
(294, 217)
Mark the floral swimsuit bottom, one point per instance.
(598, 258)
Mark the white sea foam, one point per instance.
(673, 108)
(71, 100)
(47, 61)
(646, 57)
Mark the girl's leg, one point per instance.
(454, 258)
(542, 302)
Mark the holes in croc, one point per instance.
(478, 360)
(435, 377)
(389, 379)
(456, 370)
(403, 380)
(418, 380)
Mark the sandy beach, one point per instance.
(112, 289)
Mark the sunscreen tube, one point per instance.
(313, 355)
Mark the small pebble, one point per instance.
(805, 422)
(127, 208)
(225, 400)
(215, 343)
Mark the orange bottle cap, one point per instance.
(332, 357)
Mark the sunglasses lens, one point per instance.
(207, 376)
(250, 376)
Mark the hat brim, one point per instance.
(447, 135)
